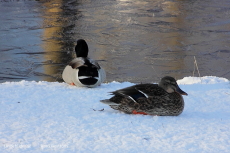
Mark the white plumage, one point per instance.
(83, 71)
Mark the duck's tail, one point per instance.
(108, 102)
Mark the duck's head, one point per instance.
(170, 85)
(81, 48)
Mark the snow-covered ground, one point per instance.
(55, 117)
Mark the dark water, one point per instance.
(134, 40)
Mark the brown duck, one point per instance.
(163, 99)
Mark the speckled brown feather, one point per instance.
(158, 102)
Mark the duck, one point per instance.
(163, 99)
(83, 71)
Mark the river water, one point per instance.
(133, 40)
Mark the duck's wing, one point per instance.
(77, 62)
(135, 92)
(86, 62)
(95, 63)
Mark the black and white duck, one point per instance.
(83, 71)
(163, 99)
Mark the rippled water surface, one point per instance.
(134, 40)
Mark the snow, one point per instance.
(55, 117)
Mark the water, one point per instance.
(133, 40)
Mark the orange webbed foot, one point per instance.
(135, 112)
(72, 84)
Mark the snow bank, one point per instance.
(55, 117)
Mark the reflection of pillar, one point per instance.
(54, 39)
(51, 30)
(174, 40)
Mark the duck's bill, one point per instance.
(178, 90)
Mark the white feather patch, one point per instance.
(146, 96)
(85, 77)
(129, 97)
(132, 99)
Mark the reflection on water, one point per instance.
(54, 40)
(134, 40)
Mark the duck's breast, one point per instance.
(67, 74)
